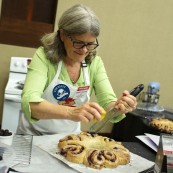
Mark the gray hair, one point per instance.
(77, 20)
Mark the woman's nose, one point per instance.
(84, 48)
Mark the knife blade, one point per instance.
(96, 127)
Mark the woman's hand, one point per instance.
(126, 103)
(86, 112)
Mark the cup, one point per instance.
(7, 139)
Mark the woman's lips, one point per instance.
(79, 53)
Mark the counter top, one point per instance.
(137, 123)
(142, 150)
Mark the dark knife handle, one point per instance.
(135, 91)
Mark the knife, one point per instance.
(112, 113)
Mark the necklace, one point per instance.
(73, 73)
(73, 82)
(73, 77)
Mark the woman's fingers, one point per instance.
(87, 112)
(126, 103)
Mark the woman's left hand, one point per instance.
(126, 103)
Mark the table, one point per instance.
(42, 162)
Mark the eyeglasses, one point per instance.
(81, 44)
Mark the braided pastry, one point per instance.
(93, 150)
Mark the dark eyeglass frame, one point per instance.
(81, 44)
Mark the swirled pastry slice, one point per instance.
(94, 159)
(122, 153)
(64, 140)
(101, 158)
(111, 158)
(74, 152)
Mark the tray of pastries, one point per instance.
(162, 124)
(159, 123)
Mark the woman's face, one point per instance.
(73, 43)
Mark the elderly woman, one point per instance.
(63, 74)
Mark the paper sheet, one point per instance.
(154, 138)
(49, 144)
(150, 140)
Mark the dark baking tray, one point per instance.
(147, 121)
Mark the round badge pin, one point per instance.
(61, 92)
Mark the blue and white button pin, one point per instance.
(61, 92)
